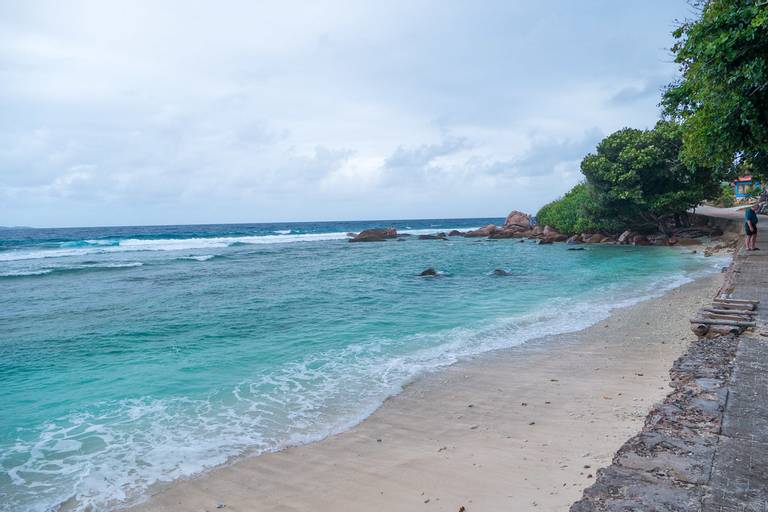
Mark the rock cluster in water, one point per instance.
(520, 225)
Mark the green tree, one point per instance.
(571, 213)
(722, 96)
(640, 181)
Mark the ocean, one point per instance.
(136, 355)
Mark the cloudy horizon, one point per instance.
(135, 113)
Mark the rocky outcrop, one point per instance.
(375, 235)
(594, 238)
(430, 272)
(626, 237)
(516, 218)
(456, 232)
(482, 232)
(640, 240)
(575, 239)
(437, 236)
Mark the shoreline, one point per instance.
(462, 434)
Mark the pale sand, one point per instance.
(463, 436)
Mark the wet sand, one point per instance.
(519, 429)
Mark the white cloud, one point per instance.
(173, 112)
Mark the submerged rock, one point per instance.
(501, 272)
(576, 249)
(430, 272)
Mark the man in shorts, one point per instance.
(750, 228)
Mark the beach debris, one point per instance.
(724, 316)
(430, 272)
(220, 505)
(524, 404)
(473, 427)
(532, 423)
(462, 509)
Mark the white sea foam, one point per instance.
(70, 268)
(168, 244)
(71, 249)
(141, 442)
(202, 257)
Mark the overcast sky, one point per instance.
(164, 112)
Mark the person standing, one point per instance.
(750, 228)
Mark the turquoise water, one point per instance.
(130, 356)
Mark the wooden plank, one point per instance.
(708, 321)
(739, 301)
(726, 311)
(730, 305)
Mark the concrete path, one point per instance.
(706, 446)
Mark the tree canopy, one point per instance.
(635, 179)
(721, 98)
(639, 178)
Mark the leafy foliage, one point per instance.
(640, 179)
(722, 97)
(727, 197)
(635, 179)
(570, 213)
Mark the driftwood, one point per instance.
(738, 301)
(700, 329)
(731, 305)
(726, 317)
(708, 321)
(712, 331)
(726, 311)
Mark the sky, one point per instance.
(183, 112)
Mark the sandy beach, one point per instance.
(518, 429)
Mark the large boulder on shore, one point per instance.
(516, 218)
(508, 233)
(375, 235)
(626, 237)
(595, 238)
(456, 232)
(640, 240)
(484, 231)
(575, 239)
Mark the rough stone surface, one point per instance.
(375, 235)
(516, 218)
